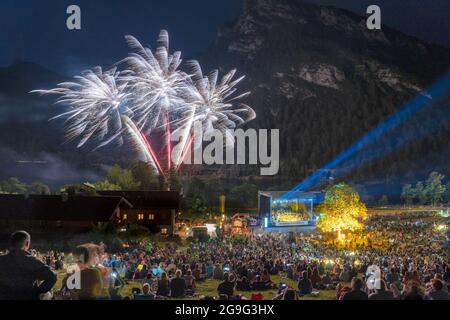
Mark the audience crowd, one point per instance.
(398, 259)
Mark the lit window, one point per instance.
(125, 216)
(151, 216)
(164, 231)
(140, 216)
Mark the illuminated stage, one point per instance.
(277, 211)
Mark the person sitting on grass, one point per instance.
(265, 277)
(437, 292)
(287, 294)
(209, 270)
(341, 290)
(226, 287)
(439, 277)
(446, 276)
(177, 286)
(304, 285)
(316, 279)
(116, 285)
(412, 292)
(190, 280)
(91, 283)
(396, 292)
(415, 277)
(344, 276)
(382, 293)
(356, 293)
(157, 270)
(410, 279)
(259, 285)
(393, 277)
(163, 286)
(197, 273)
(290, 272)
(243, 284)
(146, 293)
(327, 281)
(335, 273)
(290, 294)
(218, 272)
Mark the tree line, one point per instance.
(14, 186)
(432, 191)
(200, 193)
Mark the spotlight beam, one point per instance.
(386, 149)
(435, 91)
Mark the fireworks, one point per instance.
(150, 96)
(97, 106)
(213, 101)
(157, 84)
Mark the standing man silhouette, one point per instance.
(22, 276)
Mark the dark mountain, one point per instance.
(320, 76)
(315, 72)
(21, 77)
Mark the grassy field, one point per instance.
(396, 209)
(209, 288)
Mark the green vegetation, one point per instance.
(342, 210)
(144, 174)
(408, 194)
(201, 193)
(432, 191)
(14, 186)
(123, 178)
(105, 185)
(244, 196)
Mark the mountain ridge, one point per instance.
(320, 67)
(315, 72)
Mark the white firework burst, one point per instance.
(216, 103)
(97, 106)
(152, 93)
(156, 82)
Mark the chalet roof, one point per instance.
(56, 208)
(148, 199)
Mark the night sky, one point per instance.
(35, 30)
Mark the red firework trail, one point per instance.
(168, 143)
(150, 149)
(185, 152)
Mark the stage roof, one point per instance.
(275, 195)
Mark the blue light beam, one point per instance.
(433, 92)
